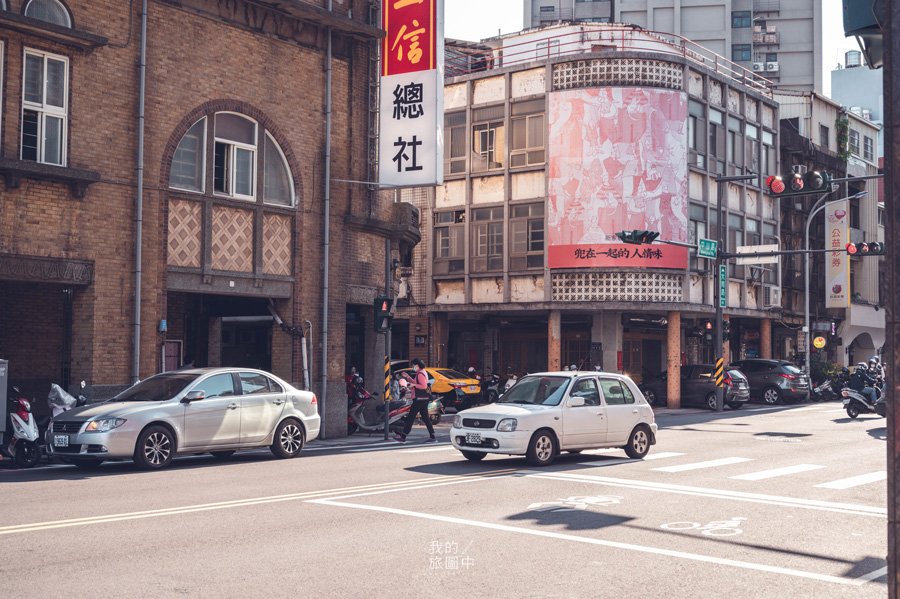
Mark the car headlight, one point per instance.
(507, 425)
(457, 421)
(101, 426)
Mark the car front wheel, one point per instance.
(638, 443)
(288, 442)
(155, 448)
(541, 449)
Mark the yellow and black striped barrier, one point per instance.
(387, 378)
(720, 372)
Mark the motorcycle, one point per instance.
(822, 391)
(512, 380)
(20, 441)
(492, 390)
(856, 403)
(59, 402)
(356, 418)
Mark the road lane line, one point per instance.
(763, 474)
(699, 465)
(834, 411)
(855, 481)
(844, 508)
(808, 408)
(447, 447)
(601, 542)
(652, 456)
(38, 526)
(872, 575)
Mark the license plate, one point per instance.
(473, 388)
(473, 438)
(60, 440)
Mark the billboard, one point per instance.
(837, 231)
(618, 161)
(411, 106)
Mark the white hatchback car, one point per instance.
(547, 413)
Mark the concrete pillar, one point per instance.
(214, 356)
(554, 341)
(597, 340)
(611, 337)
(440, 338)
(765, 338)
(673, 343)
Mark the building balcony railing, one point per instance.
(601, 39)
(766, 5)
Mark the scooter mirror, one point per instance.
(83, 384)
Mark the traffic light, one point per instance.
(726, 330)
(636, 237)
(708, 330)
(870, 248)
(796, 184)
(862, 18)
(383, 316)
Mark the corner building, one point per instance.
(233, 161)
(549, 151)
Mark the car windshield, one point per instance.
(451, 374)
(157, 388)
(537, 390)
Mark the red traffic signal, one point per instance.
(775, 184)
(872, 248)
(796, 184)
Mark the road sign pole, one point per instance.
(387, 341)
(721, 225)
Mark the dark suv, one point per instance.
(775, 381)
(698, 387)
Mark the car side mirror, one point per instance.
(193, 396)
(576, 402)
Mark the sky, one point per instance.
(474, 20)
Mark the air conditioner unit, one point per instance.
(759, 67)
(771, 296)
(772, 67)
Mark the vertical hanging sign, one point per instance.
(837, 231)
(411, 109)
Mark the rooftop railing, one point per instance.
(602, 39)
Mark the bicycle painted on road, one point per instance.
(719, 528)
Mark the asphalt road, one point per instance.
(775, 502)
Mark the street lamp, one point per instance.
(820, 205)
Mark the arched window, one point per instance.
(3, 5)
(235, 160)
(51, 11)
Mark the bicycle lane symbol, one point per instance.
(719, 528)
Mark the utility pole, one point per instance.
(891, 26)
(722, 284)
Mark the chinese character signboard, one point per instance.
(411, 141)
(618, 162)
(837, 232)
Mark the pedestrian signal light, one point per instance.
(383, 317)
(708, 325)
(726, 330)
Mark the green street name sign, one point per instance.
(707, 248)
(723, 282)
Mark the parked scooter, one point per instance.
(822, 391)
(512, 380)
(492, 388)
(856, 403)
(59, 402)
(356, 419)
(20, 441)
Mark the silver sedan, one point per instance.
(215, 410)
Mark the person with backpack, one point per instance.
(421, 397)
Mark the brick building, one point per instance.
(233, 194)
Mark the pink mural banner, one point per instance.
(618, 162)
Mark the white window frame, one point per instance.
(43, 110)
(851, 144)
(287, 167)
(202, 189)
(232, 163)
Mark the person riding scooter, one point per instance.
(862, 382)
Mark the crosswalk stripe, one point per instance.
(855, 481)
(446, 447)
(777, 472)
(651, 456)
(809, 408)
(709, 464)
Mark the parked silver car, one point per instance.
(215, 410)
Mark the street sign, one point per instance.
(723, 285)
(707, 248)
(754, 249)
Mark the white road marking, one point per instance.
(777, 472)
(808, 408)
(651, 456)
(811, 504)
(699, 465)
(446, 447)
(872, 575)
(834, 411)
(348, 446)
(855, 481)
(601, 542)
